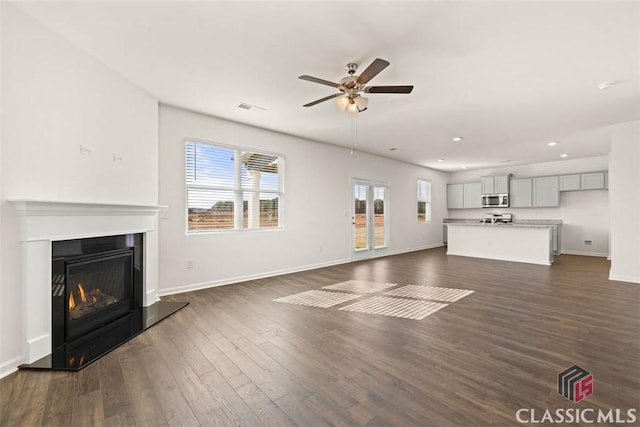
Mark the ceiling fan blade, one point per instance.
(326, 98)
(372, 70)
(317, 80)
(388, 89)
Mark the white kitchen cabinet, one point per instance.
(521, 194)
(584, 181)
(495, 184)
(472, 195)
(455, 196)
(464, 196)
(488, 185)
(570, 182)
(554, 239)
(593, 181)
(546, 192)
(501, 184)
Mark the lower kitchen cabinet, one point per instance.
(555, 238)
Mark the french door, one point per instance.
(369, 218)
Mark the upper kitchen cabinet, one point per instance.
(569, 182)
(464, 196)
(546, 191)
(495, 184)
(521, 194)
(472, 195)
(584, 181)
(455, 196)
(593, 181)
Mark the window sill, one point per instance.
(244, 230)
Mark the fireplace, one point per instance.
(111, 250)
(95, 282)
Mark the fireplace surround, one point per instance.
(45, 224)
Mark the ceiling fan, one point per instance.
(350, 87)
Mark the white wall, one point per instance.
(584, 214)
(316, 208)
(56, 98)
(3, 361)
(624, 179)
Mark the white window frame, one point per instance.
(237, 189)
(428, 212)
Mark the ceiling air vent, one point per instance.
(246, 106)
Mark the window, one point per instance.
(424, 201)
(232, 188)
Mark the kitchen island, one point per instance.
(530, 243)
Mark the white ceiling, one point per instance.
(507, 76)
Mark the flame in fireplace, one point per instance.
(72, 301)
(83, 295)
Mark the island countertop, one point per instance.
(497, 224)
(518, 221)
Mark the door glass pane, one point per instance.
(379, 235)
(360, 231)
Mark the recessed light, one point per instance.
(457, 138)
(440, 160)
(552, 143)
(564, 155)
(464, 167)
(394, 149)
(606, 85)
(506, 161)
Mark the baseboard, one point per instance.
(596, 254)
(238, 279)
(419, 248)
(620, 278)
(9, 367)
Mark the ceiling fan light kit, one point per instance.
(352, 104)
(348, 97)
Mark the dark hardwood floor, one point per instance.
(234, 357)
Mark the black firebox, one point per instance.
(97, 299)
(96, 286)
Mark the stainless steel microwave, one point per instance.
(495, 201)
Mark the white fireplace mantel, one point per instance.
(43, 222)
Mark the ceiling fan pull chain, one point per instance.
(355, 117)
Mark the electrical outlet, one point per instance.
(85, 150)
(588, 242)
(117, 157)
(189, 263)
